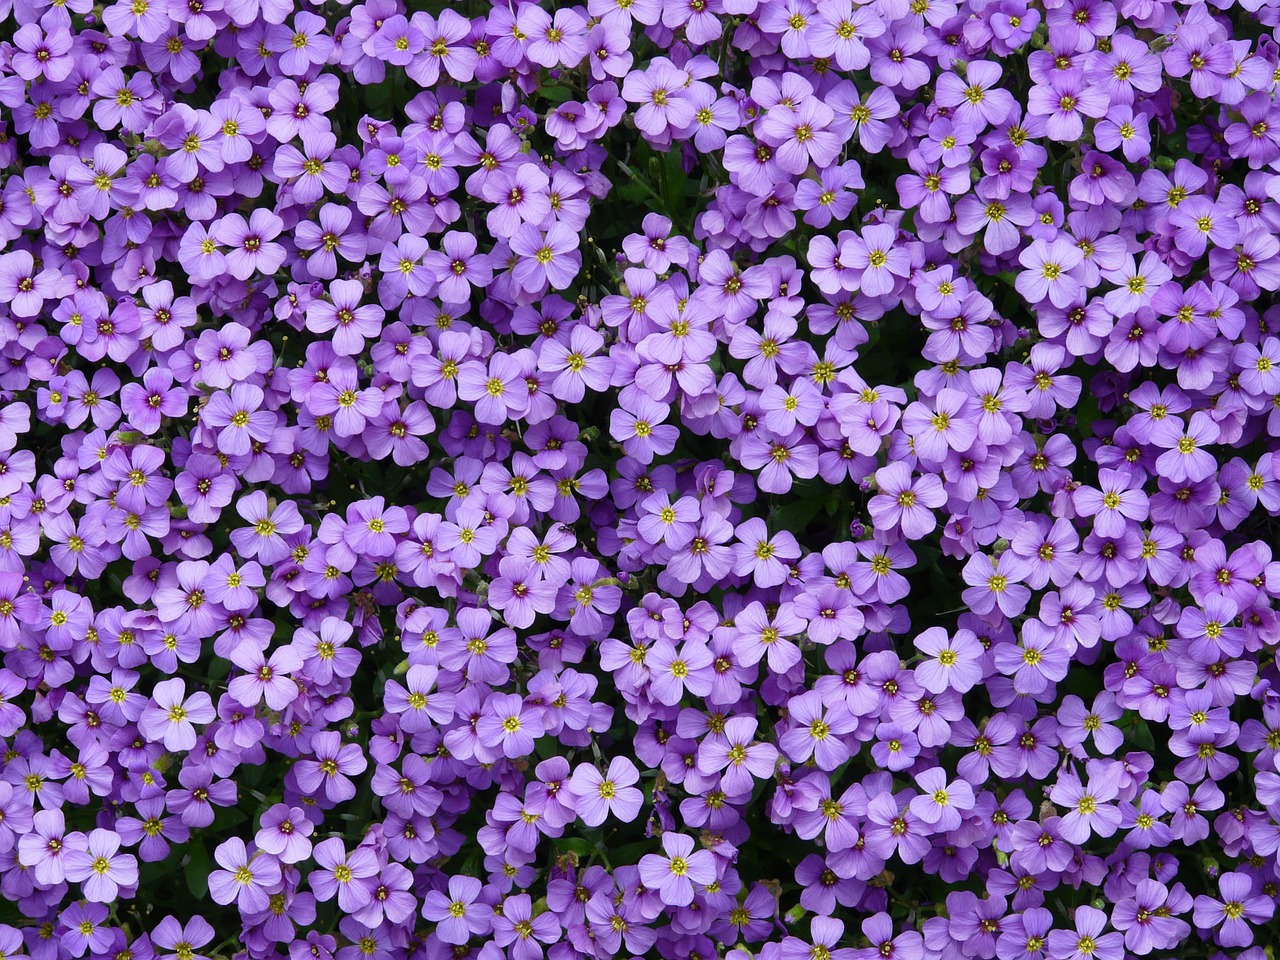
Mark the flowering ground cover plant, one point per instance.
(663, 478)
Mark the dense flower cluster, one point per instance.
(677, 478)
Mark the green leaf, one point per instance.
(1139, 734)
(579, 845)
(556, 94)
(804, 502)
(632, 852)
(228, 817)
(196, 870)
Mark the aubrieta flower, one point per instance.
(100, 868)
(332, 767)
(598, 796)
(457, 913)
(1087, 940)
(1229, 914)
(674, 873)
(284, 834)
(341, 874)
(955, 663)
(245, 878)
(171, 714)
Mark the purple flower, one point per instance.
(1087, 940)
(1047, 273)
(239, 419)
(42, 55)
(516, 927)
(659, 91)
(816, 730)
(939, 803)
(799, 135)
(674, 872)
(179, 940)
(269, 525)
(458, 914)
(101, 868)
(331, 766)
(875, 259)
(84, 929)
(736, 757)
(598, 796)
(265, 678)
(347, 876)
(458, 267)
(24, 288)
(343, 314)
(1090, 810)
(942, 424)
(993, 583)
(170, 716)
(763, 557)
(250, 243)
(509, 725)
(641, 430)
(546, 259)
(284, 834)
(1184, 457)
(417, 705)
(955, 663)
(905, 502)
(47, 845)
(245, 878)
